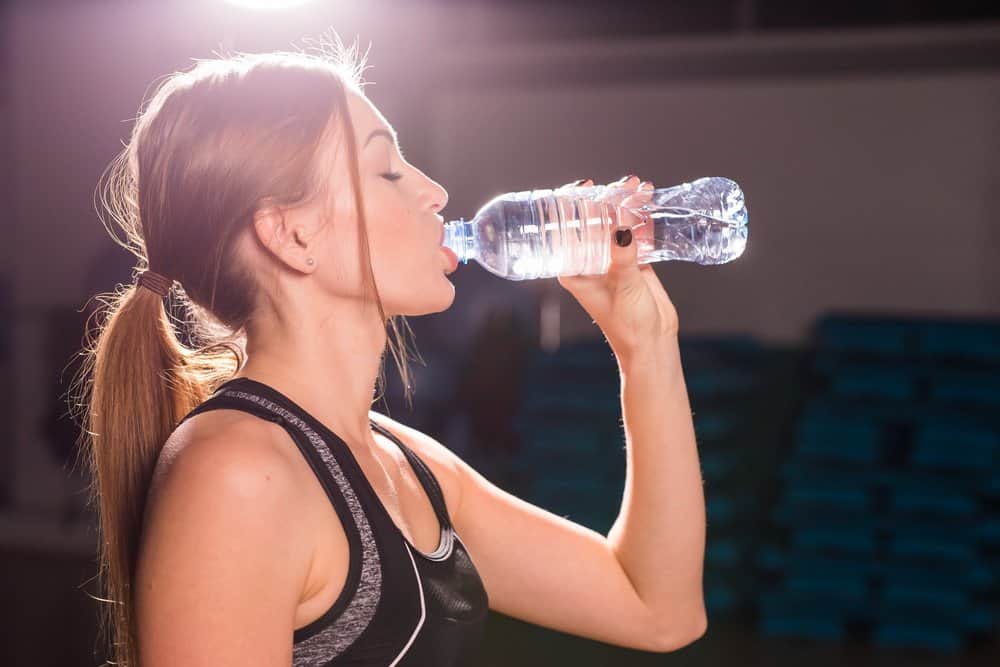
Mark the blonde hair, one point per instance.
(210, 143)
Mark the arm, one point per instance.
(545, 569)
(222, 563)
(659, 535)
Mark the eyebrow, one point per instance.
(380, 132)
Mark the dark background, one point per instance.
(842, 372)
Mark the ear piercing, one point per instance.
(310, 261)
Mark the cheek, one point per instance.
(393, 251)
(401, 249)
(398, 259)
(395, 234)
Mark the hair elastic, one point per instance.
(155, 282)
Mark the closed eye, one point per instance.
(392, 176)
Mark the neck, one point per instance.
(325, 362)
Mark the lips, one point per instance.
(452, 258)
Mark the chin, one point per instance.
(442, 304)
(436, 300)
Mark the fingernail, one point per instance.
(626, 178)
(581, 182)
(623, 237)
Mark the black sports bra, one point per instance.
(399, 606)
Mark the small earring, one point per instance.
(310, 261)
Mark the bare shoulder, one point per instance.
(236, 437)
(223, 465)
(222, 556)
(443, 462)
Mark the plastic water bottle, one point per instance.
(545, 233)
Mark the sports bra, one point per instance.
(399, 606)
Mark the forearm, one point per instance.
(659, 535)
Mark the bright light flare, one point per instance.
(267, 5)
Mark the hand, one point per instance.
(628, 302)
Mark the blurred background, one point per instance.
(843, 372)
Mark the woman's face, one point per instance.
(405, 229)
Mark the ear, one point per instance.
(279, 232)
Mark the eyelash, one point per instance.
(392, 176)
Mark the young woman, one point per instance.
(254, 510)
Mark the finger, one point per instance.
(623, 257)
(632, 208)
(624, 246)
(627, 183)
(617, 190)
(583, 182)
(638, 197)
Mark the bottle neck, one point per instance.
(459, 237)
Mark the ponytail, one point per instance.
(137, 382)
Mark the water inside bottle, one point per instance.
(550, 235)
(546, 233)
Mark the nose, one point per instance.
(437, 194)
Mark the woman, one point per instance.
(258, 512)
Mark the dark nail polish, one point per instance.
(623, 237)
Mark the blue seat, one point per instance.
(795, 625)
(874, 381)
(856, 440)
(969, 387)
(715, 382)
(715, 425)
(977, 341)
(934, 503)
(721, 598)
(838, 496)
(725, 552)
(849, 590)
(957, 554)
(899, 635)
(859, 543)
(863, 335)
